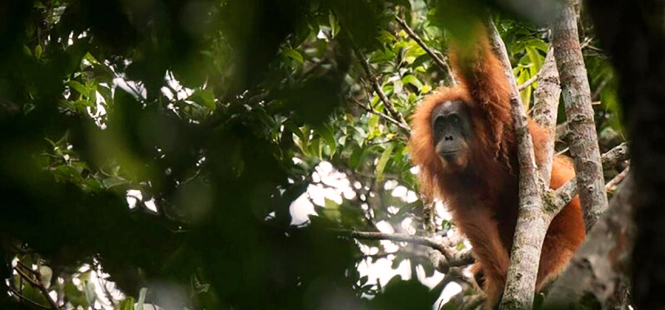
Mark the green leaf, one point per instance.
(382, 56)
(74, 295)
(315, 147)
(46, 274)
(410, 79)
(330, 210)
(26, 50)
(293, 54)
(79, 88)
(106, 93)
(114, 181)
(383, 161)
(204, 97)
(90, 293)
(334, 24)
(386, 37)
(535, 58)
(126, 304)
(326, 132)
(356, 156)
(539, 44)
(38, 51)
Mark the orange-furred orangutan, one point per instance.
(463, 140)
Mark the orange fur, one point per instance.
(484, 199)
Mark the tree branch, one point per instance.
(377, 88)
(406, 128)
(616, 155)
(36, 283)
(530, 81)
(26, 299)
(599, 265)
(582, 137)
(438, 60)
(457, 259)
(532, 222)
(612, 184)
(565, 193)
(399, 238)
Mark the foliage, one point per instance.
(164, 142)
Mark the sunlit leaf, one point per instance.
(383, 161)
(410, 79)
(79, 88)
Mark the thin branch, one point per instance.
(438, 60)
(26, 277)
(443, 265)
(377, 88)
(36, 283)
(614, 183)
(26, 299)
(406, 128)
(528, 82)
(565, 193)
(399, 238)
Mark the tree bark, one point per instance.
(532, 222)
(633, 34)
(545, 103)
(600, 265)
(582, 138)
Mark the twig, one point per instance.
(438, 60)
(567, 191)
(30, 301)
(383, 115)
(599, 89)
(613, 183)
(36, 283)
(377, 88)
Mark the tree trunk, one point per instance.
(582, 138)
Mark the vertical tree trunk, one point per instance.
(582, 138)
(532, 222)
